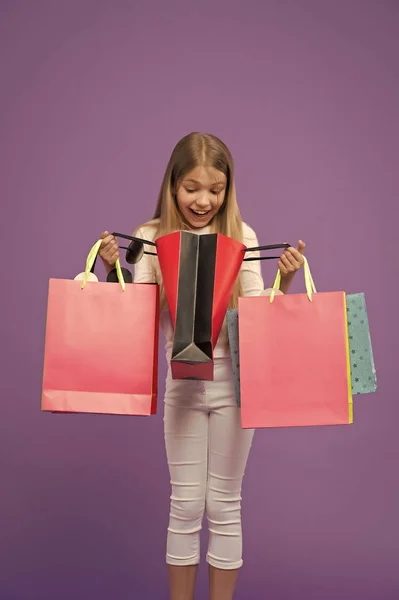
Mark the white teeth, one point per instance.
(200, 213)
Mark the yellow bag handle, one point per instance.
(90, 262)
(309, 283)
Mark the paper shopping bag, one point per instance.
(101, 347)
(234, 345)
(198, 272)
(363, 372)
(294, 359)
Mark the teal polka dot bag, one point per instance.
(364, 377)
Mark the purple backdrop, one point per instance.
(94, 94)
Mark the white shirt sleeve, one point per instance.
(144, 271)
(251, 272)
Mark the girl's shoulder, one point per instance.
(148, 230)
(249, 236)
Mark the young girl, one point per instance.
(206, 447)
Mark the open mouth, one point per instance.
(200, 213)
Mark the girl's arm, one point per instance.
(286, 281)
(251, 272)
(290, 262)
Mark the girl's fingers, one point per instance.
(294, 258)
(114, 257)
(107, 240)
(110, 254)
(109, 248)
(295, 254)
(289, 263)
(301, 247)
(282, 267)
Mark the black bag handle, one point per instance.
(268, 247)
(135, 250)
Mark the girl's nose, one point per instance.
(202, 200)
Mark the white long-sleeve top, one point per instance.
(147, 270)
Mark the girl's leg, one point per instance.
(186, 440)
(182, 582)
(222, 583)
(229, 446)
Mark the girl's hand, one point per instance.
(109, 250)
(291, 260)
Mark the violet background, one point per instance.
(94, 95)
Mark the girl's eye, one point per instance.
(214, 192)
(189, 191)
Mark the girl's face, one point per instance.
(200, 195)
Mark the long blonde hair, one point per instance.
(194, 150)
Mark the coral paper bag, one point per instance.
(294, 360)
(101, 348)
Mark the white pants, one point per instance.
(207, 453)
